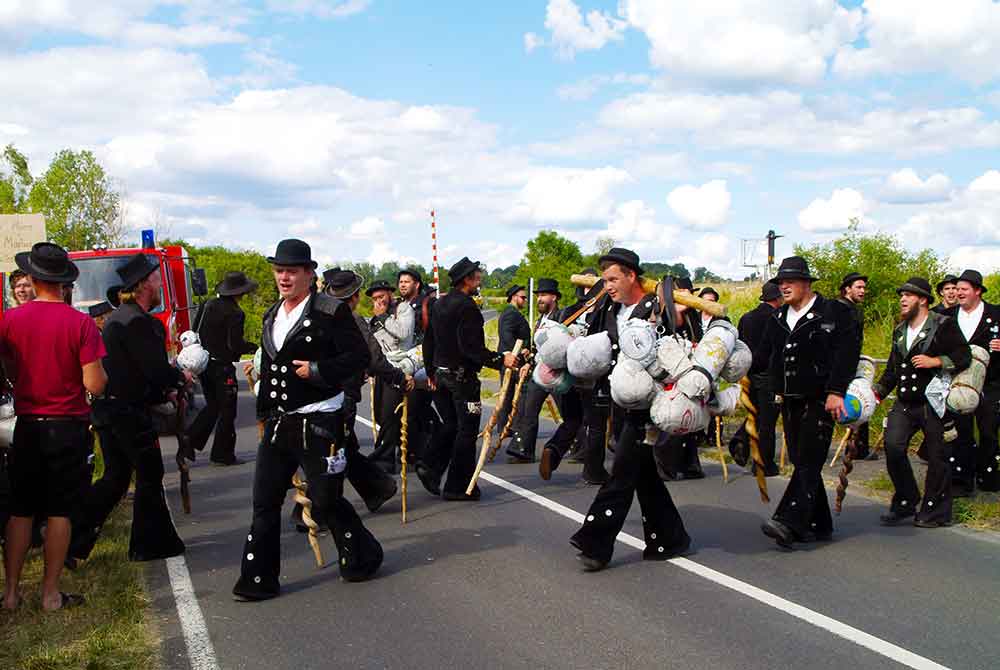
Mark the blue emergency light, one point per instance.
(148, 239)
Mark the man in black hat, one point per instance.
(311, 349)
(511, 327)
(810, 346)
(423, 421)
(853, 288)
(99, 313)
(139, 376)
(220, 327)
(923, 344)
(751, 330)
(454, 353)
(978, 465)
(634, 471)
(947, 290)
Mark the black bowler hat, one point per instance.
(948, 279)
(974, 277)
(683, 284)
(411, 272)
(342, 284)
(293, 252)
(380, 285)
(793, 267)
(463, 269)
(851, 278)
(513, 290)
(708, 290)
(136, 269)
(621, 256)
(112, 295)
(769, 291)
(100, 309)
(546, 285)
(235, 283)
(47, 262)
(581, 291)
(917, 286)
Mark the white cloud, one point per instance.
(705, 206)
(906, 186)
(970, 218)
(661, 166)
(573, 32)
(745, 40)
(532, 42)
(986, 259)
(310, 226)
(568, 195)
(368, 227)
(586, 88)
(833, 214)
(383, 252)
(927, 36)
(322, 9)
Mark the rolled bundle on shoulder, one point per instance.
(715, 347)
(577, 329)
(545, 329)
(674, 356)
(552, 352)
(589, 357)
(866, 369)
(724, 402)
(552, 380)
(637, 340)
(967, 385)
(859, 402)
(738, 365)
(676, 414)
(192, 357)
(631, 386)
(695, 384)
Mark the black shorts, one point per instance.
(48, 467)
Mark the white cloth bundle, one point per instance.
(861, 389)
(631, 385)
(710, 356)
(676, 414)
(8, 421)
(724, 402)
(738, 364)
(674, 356)
(193, 357)
(967, 385)
(408, 361)
(552, 351)
(552, 380)
(637, 340)
(866, 369)
(589, 357)
(545, 328)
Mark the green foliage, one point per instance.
(500, 278)
(992, 283)
(79, 201)
(551, 255)
(703, 274)
(15, 181)
(661, 269)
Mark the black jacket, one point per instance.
(221, 330)
(512, 326)
(327, 336)
(137, 366)
(988, 329)
(819, 357)
(858, 314)
(751, 325)
(941, 337)
(422, 306)
(455, 338)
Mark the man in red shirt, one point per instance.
(52, 353)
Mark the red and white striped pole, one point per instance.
(434, 247)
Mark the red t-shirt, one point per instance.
(49, 342)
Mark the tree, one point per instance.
(550, 255)
(661, 269)
(79, 201)
(15, 181)
(703, 274)
(603, 245)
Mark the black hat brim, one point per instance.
(372, 290)
(345, 292)
(851, 279)
(247, 287)
(23, 261)
(951, 279)
(293, 262)
(620, 260)
(915, 290)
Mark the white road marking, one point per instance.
(201, 653)
(859, 637)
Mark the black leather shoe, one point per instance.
(519, 457)
(595, 480)
(894, 518)
(222, 464)
(779, 532)
(375, 503)
(921, 523)
(549, 463)
(872, 456)
(430, 480)
(461, 496)
(591, 564)
(694, 473)
(810, 536)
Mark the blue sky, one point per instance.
(675, 128)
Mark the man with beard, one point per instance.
(634, 471)
(853, 289)
(922, 344)
(978, 465)
(310, 350)
(511, 327)
(423, 422)
(947, 289)
(810, 346)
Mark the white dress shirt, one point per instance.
(624, 314)
(969, 321)
(793, 316)
(912, 332)
(283, 323)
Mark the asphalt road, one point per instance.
(495, 584)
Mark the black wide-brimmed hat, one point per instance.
(621, 256)
(47, 262)
(513, 290)
(112, 295)
(793, 267)
(974, 277)
(380, 285)
(683, 284)
(546, 285)
(236, 283)
(462, 269)
(342, 284)
(100, 309)
(851, 278)
(413, 272)
(293, 252)
(948, 279)
(708, 289)
(581, 291)
(917, 286)
(136, 269)
(769, 291)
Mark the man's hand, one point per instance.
(431, 384)
(994, 345)
(510, 360)
(380, 304)
(410, 383)
(301, 369)
(835, 406)
(247, 367)
(525, 371)
(923, 362)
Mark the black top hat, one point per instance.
(512, 290)
(342, 284)
(769, 291)
(47, 262)
(793, 267)
(621, 256)
(917, 286)
(546, 285)
(413, 272)
(974, 277)
(683, 283)
(100, 309)
(136, 269)
(112, 295)
(463, 269)
(708, 290)
(581, 291)
(380, 285)
(851, 278)
(292, 252)
(235, 283)
(948, 279)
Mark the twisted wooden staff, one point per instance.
(852, 448)
(754, 438)
(514, 402)
(836, 454)
(553, 410)
(403, 444)
(784, 448)
(183, 451)
(722, 455)
(302, 498)
(371, 402)
(491, 424)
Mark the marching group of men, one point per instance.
(426, 353)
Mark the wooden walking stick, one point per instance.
(302, 498)
(754, 438)
(836, 454)
(784, 448)
(848, 466)
(553, 410)
(371, 402)
(514, 402)
(183, 451)
(491, 424)
(403, 443)
(722, 455)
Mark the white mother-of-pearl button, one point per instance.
(307, 323)
(309, 338)
(249, 557)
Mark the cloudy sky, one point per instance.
(676, 128)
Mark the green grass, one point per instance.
(981, 511)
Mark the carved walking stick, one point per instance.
(302, 498)
(836, 454)
(553, 410)
(784, 448)
(491, 424)
(371, 402)
(183, 451)
(754, 438)
(514, 402)
(722, 455)
(852, 449)
(403, 444)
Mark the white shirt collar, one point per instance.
(969, 321)
(912, 332)
(793, 316)
(285, 320)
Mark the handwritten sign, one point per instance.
(18, 232)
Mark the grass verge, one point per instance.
(109, 632)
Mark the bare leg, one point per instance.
(18, 540)
(56, 545)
